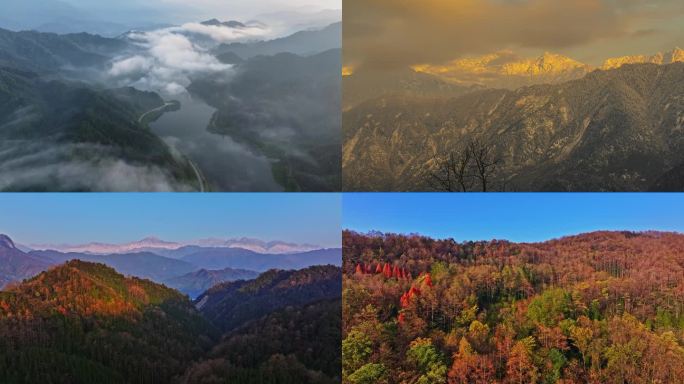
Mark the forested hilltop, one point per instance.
(602, 307)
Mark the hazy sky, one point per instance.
(223, 9)
(511, 216)
(80, 218)
(398, 33)
(135, 14)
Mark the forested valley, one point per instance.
(602, 307)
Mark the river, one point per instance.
(226, 165)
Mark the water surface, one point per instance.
(225, 164)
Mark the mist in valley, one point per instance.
(214, 105)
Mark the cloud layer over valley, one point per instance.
(170, 57)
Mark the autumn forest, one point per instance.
(601, 307)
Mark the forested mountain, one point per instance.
(85, 323)
(230, 305)
(602, 307)
(612, 130)
(53, 130)
(49, 52)
(298, 344)
(195, 283)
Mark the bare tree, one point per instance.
(485, 162)
(462, 170)
(453, 172)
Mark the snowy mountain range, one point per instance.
(154, 243)
(506, 69)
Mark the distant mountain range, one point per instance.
(166, 247)
(191, 269)
(300, 43)
(144, 265)
(611, 130)
(219, 258)
(229, 24)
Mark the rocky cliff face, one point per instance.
(610, 130)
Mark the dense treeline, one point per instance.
(603, 307)
(299, 344)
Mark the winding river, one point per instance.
(226, 165)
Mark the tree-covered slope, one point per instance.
(232, 304)
(82, 323)
(298, 344)
(57, 135)
(49, 52)
(603, 307)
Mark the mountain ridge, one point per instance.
(551, 137)
(232, 304)
(152, 242)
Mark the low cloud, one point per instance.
(29, 165)
(224, 34)
(171, 57)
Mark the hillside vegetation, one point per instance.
(603, 307)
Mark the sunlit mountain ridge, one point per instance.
(506, 69)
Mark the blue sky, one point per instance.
(80, 218)
(511, 216)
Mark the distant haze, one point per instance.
(112, 18)
(391, 33)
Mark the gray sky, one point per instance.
(398, 33)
